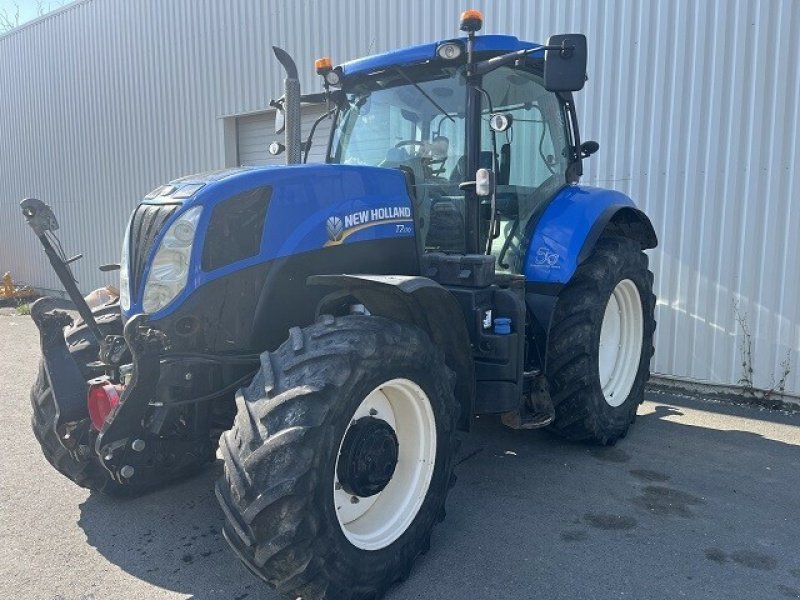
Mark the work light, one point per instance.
(333, 77)
(449, 51)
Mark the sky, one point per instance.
(28, 9)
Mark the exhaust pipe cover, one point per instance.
(291, 106)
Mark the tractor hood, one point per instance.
(227, 221)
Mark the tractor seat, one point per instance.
(446, 230)
(459, 173)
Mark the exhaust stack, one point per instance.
(291, 106)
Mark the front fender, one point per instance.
(421, 302)
(571, 225)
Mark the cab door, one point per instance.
(530, 159)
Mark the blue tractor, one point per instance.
(333, 328)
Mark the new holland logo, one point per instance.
(335, 229)
(339, 229)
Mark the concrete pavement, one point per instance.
(701, 500)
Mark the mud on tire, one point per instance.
(582, 413)
(281, 456)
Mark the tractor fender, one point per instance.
(570, 226)
(623, 221)
(564, 237)
(421, 302)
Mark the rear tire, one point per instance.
(609, 301)
(281, 492)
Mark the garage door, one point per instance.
(256, 132)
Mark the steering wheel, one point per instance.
(409, 143)
(434, 164)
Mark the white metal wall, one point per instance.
(694, 103)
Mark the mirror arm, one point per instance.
(575, 166)
(316, 98)
(490, 64)
(309, 139)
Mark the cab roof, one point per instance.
(417, 54)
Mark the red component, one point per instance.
(102, 398)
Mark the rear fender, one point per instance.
(565, 237)
(622, 221)
(421, 302)
(571, 225)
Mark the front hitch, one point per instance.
(121, 440)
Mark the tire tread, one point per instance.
(572, 336)
(271, 469)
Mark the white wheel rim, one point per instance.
(620, 342)
(375, 522)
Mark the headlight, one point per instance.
(124, 285)
(170, 267)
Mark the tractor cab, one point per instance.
(420, 119)
(484, 129)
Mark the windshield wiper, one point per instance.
(423, 92)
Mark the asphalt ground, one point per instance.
(701, 500)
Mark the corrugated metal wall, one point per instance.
(694, 103)
(254, 134)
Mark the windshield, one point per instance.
(389, 121)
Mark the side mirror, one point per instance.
(589, 148)
(500, 122)
(280, 119)
(565, 68)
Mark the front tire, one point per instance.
(340, 458)
(601, 343)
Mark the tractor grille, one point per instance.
(145, 227)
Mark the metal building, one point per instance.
(694, 103)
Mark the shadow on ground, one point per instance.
(686, 505)
(171, 538)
